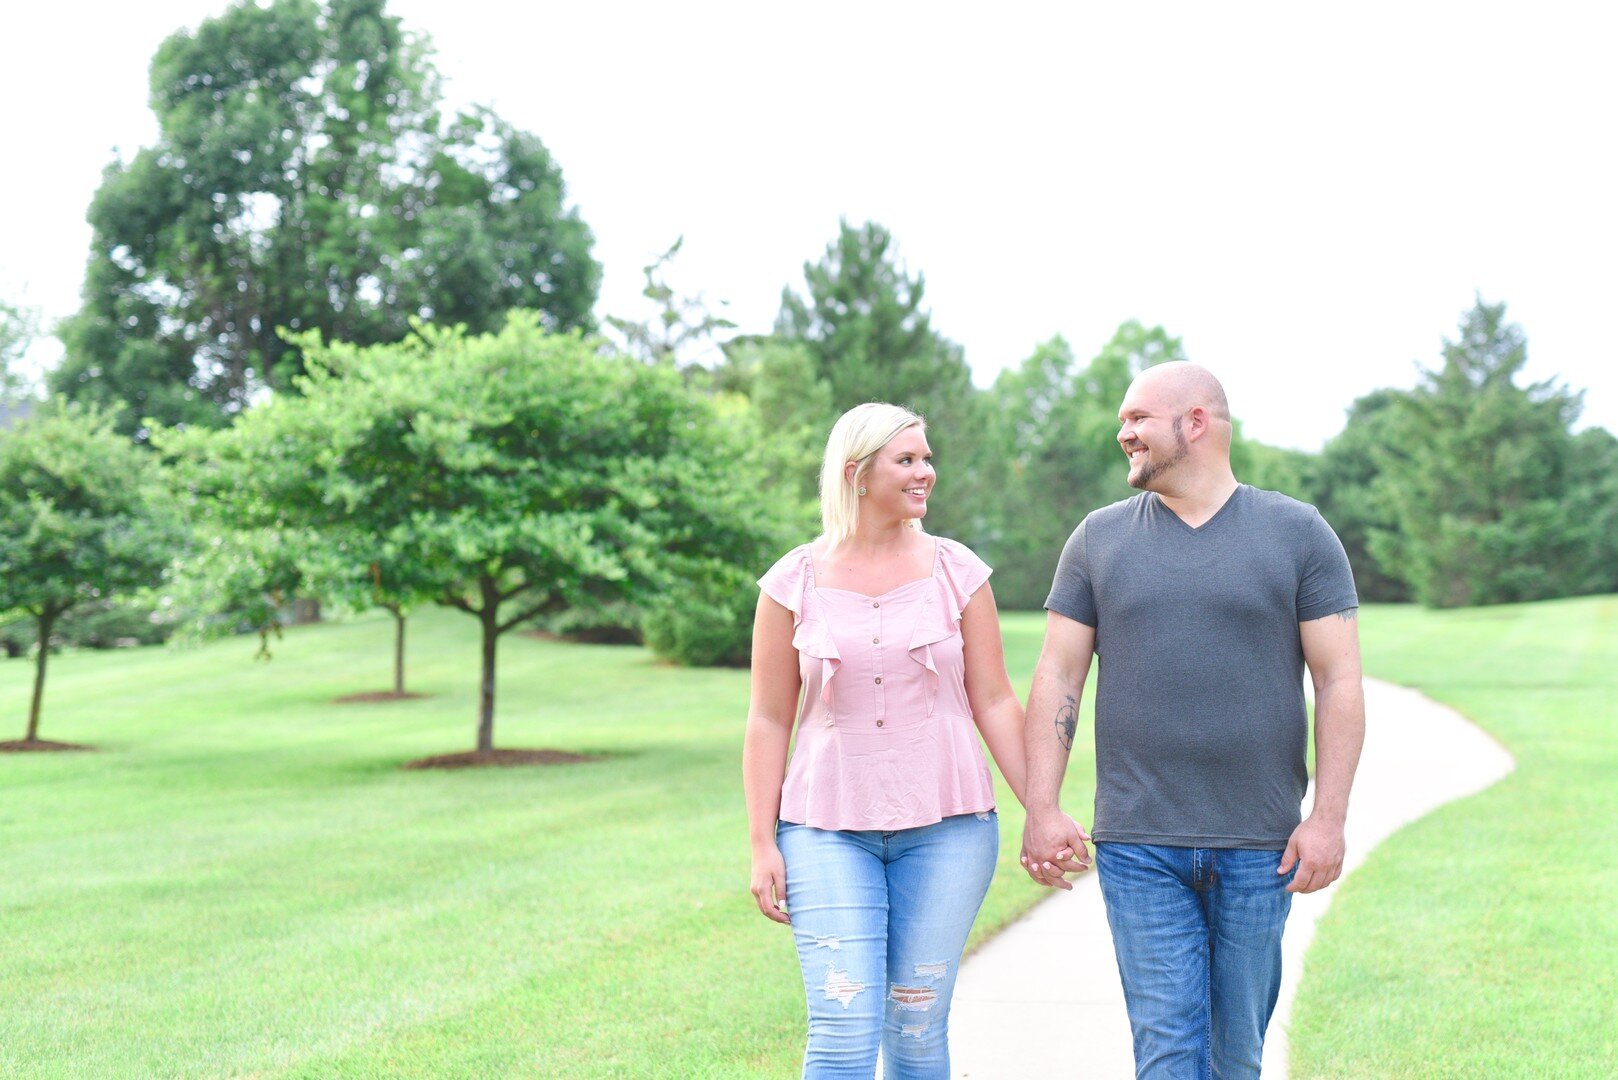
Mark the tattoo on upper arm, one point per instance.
(1348, 614)
(1067, 722)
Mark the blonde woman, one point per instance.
(879, 836)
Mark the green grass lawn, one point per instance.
(243, 882)
(1482, 940)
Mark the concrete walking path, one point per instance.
(1043, 997)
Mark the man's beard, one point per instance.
(1153, 469)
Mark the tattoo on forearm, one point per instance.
(1348, 613)
(1067, 722)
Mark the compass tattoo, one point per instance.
(1067, 722)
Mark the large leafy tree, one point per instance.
(303, 179)
(1477, 475)
(509, 475)
(1592, 503)
(1347, 488)
(793, 407)
(1056, 456)
(864, 321)
(82, 519)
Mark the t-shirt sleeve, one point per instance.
(784, 581)
(1326, 585)
(1072, 593)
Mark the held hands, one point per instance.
(1053, 845)
(1316, 849)
(770, 883)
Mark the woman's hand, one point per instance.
(770, 883)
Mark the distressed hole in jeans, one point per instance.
(830, 941)
(913, 1031)
(913, 998)
(840, 988)
(932, 971)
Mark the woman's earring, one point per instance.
(862, 489)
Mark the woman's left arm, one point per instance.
(995, 708)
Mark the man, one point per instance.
(1202, 599)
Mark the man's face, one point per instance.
(1149, 431)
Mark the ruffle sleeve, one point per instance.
(791, 583)
(959, 574)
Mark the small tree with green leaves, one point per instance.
(516, 474)
(82, 517)
(265, 536)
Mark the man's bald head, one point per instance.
(1174, 425)
(1182, 385)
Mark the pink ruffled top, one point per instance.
(885, 738)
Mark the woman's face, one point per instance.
(900, 477)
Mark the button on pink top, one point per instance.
(885, 734)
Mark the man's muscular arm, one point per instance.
(1053, 716)
(1331, 648)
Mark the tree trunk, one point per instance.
(490, 617)
(46, 622)
(398, 650)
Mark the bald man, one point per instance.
(1202, 600)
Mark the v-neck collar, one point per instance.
(1197, 530)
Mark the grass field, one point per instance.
(243, 882)
(1482, 941)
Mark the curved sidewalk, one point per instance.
(1043, 996)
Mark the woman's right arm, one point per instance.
(770, 714)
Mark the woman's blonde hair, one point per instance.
(858, 434)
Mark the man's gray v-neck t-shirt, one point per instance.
(1201, 729)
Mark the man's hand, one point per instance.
(1053, 844)
(1316, 848)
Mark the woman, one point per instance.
(882, 830)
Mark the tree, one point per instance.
(18, 328)
(514, 474)
(1054, 455)
(864, 323)
(82, 518)
(1592, 503)
(1478, 474)
(681, 326)
(302, 179)
(268, 534)
(793, 407)
(1276, 468)
(232, 577)
(1348, 491)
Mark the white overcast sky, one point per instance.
(1309, 195)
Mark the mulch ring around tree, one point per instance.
(30, 746)
(376, 695)
(472, 759)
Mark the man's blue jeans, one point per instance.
(1197, 932)
(880, 919)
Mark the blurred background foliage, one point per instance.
(308, 197)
